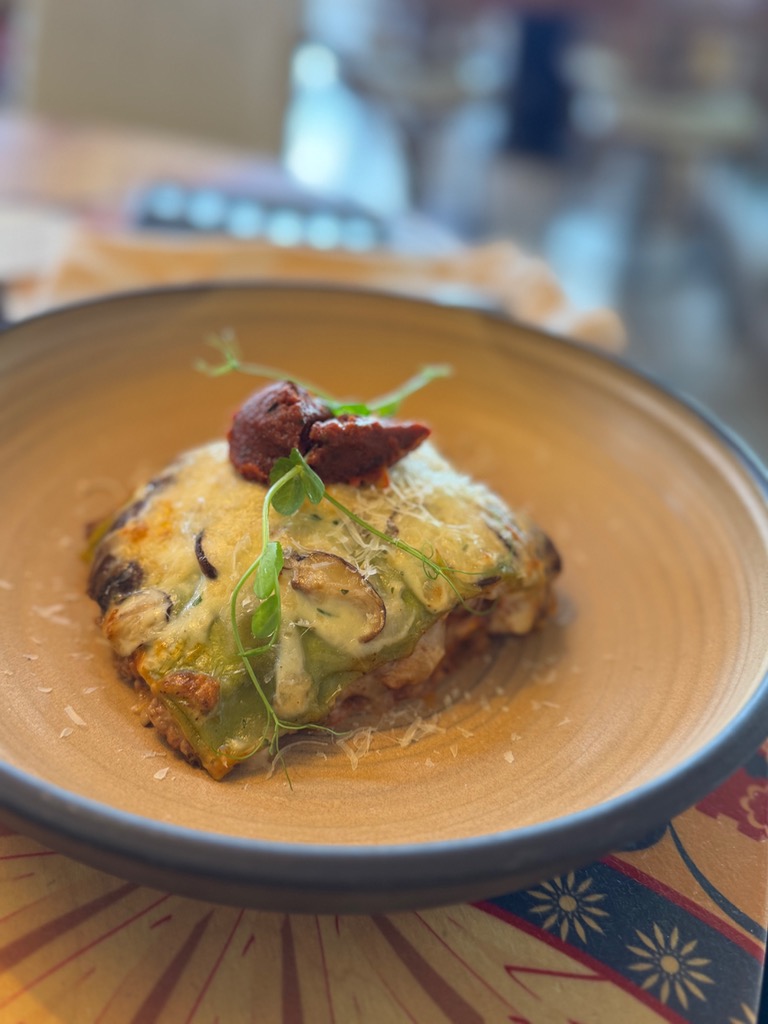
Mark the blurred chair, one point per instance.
(216, 70)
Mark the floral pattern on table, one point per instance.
(676, 956)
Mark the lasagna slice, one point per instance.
(362, 621)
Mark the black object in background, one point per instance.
(540, 98)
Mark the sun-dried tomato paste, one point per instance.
(341, 449)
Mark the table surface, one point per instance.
(672, 930)
(91, 168)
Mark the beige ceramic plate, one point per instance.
(643, 693)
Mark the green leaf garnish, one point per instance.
(281, 467)
(270, 564)
(313, 485)
(289, 498)
(266, 619)
(388, 405)
(306, 485)
(225, 343)
(385, 405)
(351, 409)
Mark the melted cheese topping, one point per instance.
(324, 641)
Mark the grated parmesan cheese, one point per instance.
(353, 757)
(418, 728)
(52, 613)
(73, 716)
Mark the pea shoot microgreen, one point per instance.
(291, 482)
(385, 405)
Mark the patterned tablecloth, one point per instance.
(672, 930)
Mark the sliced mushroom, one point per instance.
(136, 620)
(207, 568)
(111, 580)
(337, 589)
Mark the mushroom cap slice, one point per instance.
(339, 589)
(136, 620)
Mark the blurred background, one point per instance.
(625, 144)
